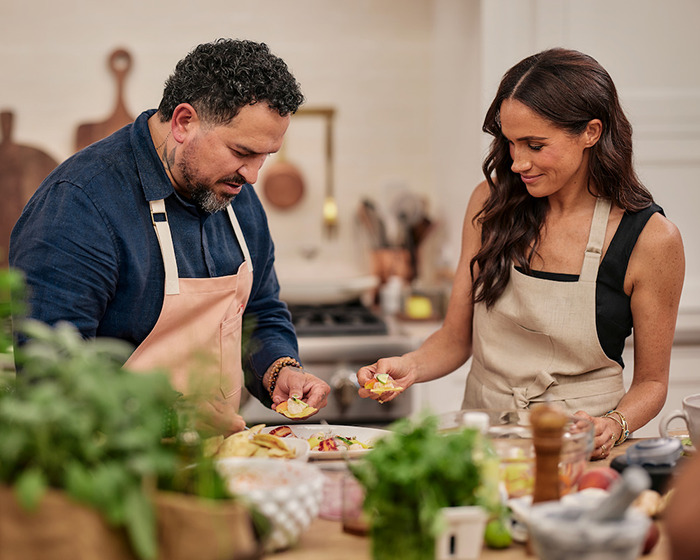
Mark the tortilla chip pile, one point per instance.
(248, 443)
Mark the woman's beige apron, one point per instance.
(197, 337)
(539, 342)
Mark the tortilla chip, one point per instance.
(283, 408)
(383, 384)
(210, 446)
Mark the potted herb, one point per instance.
(412, 474)
(82, 453)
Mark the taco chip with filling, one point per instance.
(294, 407)
(383, 383)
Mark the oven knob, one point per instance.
(345, 386)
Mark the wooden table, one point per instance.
(325, 540)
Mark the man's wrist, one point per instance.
(270, 377)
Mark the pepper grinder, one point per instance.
(548, 425)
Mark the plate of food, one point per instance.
(327, 441)
(254, 443)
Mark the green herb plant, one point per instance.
(411, 474)
(74, 419)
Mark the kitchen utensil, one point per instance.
(371, 219)
(22, 169)
(283, 183)
(548, 425)
(559, 530)
(657, 451)
(330, 206)
(659, 457)
(119, 63)
(690, 415)
(632, 483)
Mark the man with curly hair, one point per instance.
(154, 235)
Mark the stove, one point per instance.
(335, 341)
(352, 318)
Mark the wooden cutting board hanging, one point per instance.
(119, 63)
(22, 169)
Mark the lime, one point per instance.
(497, 534)
(382, 377)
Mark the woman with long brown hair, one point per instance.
(564, 252)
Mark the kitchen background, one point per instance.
(402, 86)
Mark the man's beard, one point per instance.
(202, 194)
(206, 199)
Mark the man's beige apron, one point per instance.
(539, 342)
(198, 334)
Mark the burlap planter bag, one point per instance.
(188, 528)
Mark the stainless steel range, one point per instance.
(335, 341)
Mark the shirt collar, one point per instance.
(154, 180)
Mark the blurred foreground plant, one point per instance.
(75, 420)
(411, 474)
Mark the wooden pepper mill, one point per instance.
(548, 425)
(547, 430)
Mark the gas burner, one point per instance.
(351, 318)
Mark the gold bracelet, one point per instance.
(277, 367)
(622, 421)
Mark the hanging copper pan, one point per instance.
(283, 184)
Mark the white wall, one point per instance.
(409, 79)
(398, 73)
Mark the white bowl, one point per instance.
(288, 493)
(300, 447)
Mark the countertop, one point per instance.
(325, 540)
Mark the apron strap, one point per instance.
(159, 217)
(239, 235)
(596, 239)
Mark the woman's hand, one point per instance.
(605, 433)
(397, 368)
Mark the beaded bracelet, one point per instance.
(277, 367)
(622, 421)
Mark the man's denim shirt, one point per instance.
(88, 249)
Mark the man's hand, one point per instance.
(218, 416)
(295, 382)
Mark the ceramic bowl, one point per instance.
(511, 435)
(288, 493)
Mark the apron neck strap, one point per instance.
(239, 235)
(596, 239)
(159, 218)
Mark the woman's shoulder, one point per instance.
(660, 233)
(658, 248)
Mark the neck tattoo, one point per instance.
(163, 142)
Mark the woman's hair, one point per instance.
(221, 77)
(568, 89)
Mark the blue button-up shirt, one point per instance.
(86, 243)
